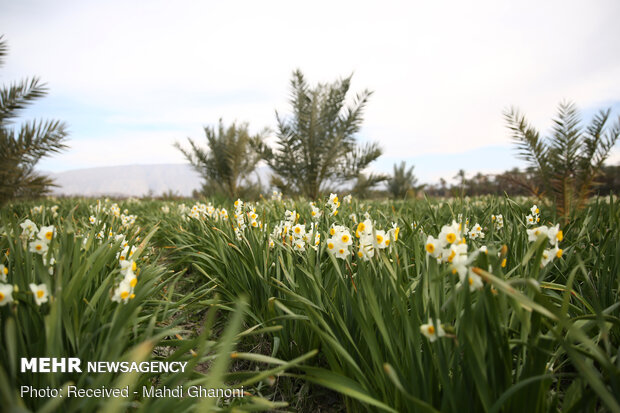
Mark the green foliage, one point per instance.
(164, 321)
(365, 183)
(316, 146)
(610, 180)
(568, 162)
(227, 162)
(23, 146)
(533, 338)
(402, 181)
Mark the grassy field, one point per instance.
(486, 304)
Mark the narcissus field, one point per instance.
(487, 304)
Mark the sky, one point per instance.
(132, 77)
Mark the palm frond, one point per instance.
(402, 180)
(4, 49)
(18, 96)
(530, 146)
(230, 157)
(21, 147)
(570, 163)
(566, 140)
(316, 145)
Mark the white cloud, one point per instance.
(442, 72)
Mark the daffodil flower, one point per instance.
(431, 332)
(47, 233)
(40, 293)
(29, 228)
(6, 294)
(38, 246)
(4, 271)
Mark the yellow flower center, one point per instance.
(379, 239)
(133, 266)
(5, 270)
(360, 254)
(330, 246)
(132, 296)
(452, 255)
(471, 280)
(39, 247)
(332, 231)
(559, 253)
(560, 235)
(341, 251)
(345, 238)
(431, 330)
(504, 263)
(313, 213)
(387, 242)
(297, 230)
(124, 294)
(430, 248)
(133, 282)
(537, 211)
(40, 293)
(2, 297)
(49, 235)
(451, 237)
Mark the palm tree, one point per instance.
(568, 162)
(23, 146)
(401, 181)
(228, 160)
(365, 183)
(460, 175)
(316, 146)
(443, 187)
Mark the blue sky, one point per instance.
(131, 78)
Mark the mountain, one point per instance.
(127, 180)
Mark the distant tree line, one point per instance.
(515, 182)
